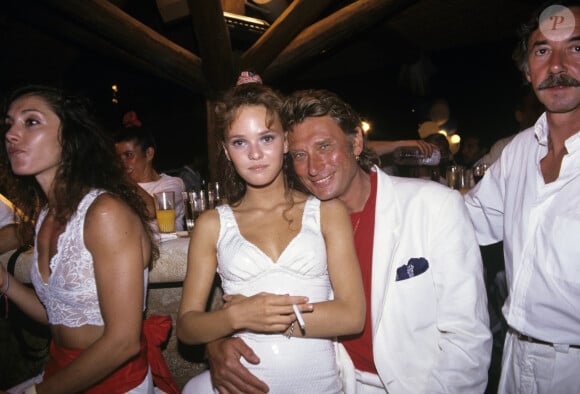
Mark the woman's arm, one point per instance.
(192, 324)
(346, 313)
(23, 296)
(262, 312)
(120, 249)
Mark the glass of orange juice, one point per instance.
(165, 211)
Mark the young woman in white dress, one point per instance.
(276, 249)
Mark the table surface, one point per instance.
(170, 267)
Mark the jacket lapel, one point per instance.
(385, 243)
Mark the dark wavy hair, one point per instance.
(141, 136)
(305, 104)
(520, 53)
(88, 161)
(227, 110)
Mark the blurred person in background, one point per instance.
(527, 111)
(136, 147)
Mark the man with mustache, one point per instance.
(530, 199)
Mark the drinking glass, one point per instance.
(195, 203)
(189, 209)
(213, 195)
(165, 211)
(479, 171)
(465, 181)
(453, 175)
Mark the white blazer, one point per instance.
(431, 331)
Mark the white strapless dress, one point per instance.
(295, 365)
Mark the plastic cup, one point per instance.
(165, 211)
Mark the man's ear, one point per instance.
(286, 142)
(150, 153)
(527, 73)
(358, 142)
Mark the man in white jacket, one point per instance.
(427, 327)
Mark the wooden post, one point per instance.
(212, 145)
(234, 6)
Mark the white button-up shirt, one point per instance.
(6, 212)
(540, 226)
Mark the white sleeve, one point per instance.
(462, 314)
(6, 212)
(486, 207)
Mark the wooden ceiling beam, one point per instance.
(151, 50)
(331, 31)
(60, 26)
(213, 40)
(299, 15)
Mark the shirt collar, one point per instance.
(541, 130)
(573, 143)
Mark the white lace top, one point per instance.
(70, 295)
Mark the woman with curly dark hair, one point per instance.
(280, 253)
(93, 246)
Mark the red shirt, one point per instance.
(360, 347)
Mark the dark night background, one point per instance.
(480, 84)
(479, 81)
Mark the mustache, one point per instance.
(556, 80)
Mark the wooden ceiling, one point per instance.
(200, 53)
(70, 42)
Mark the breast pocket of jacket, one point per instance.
(414, 300)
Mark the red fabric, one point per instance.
(122, 380)
(130, 119)
(360, 347)
(155, 332)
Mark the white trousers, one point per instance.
(531, 368)
(146, 387)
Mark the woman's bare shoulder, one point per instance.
(207, 225)
(110, 224)
(109, 204)
(209, 217)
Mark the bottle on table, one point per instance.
(410, 156)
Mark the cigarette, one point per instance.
(299, 317)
